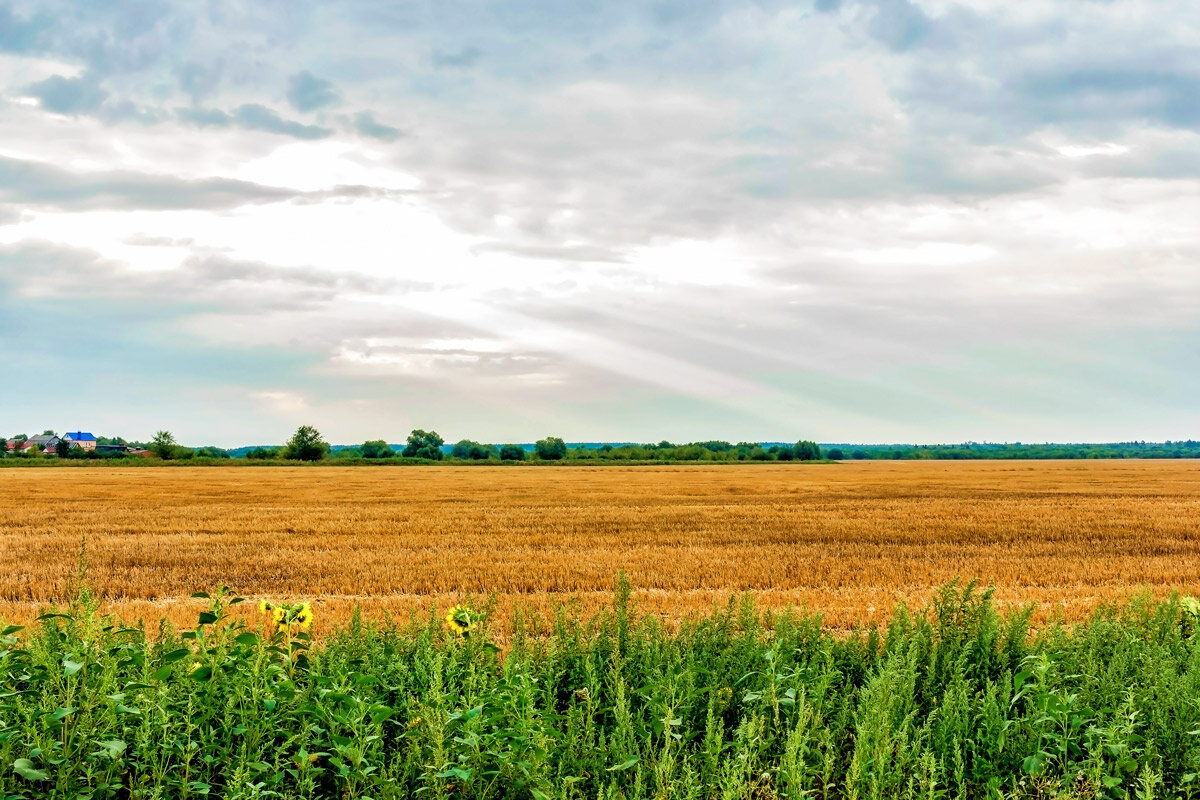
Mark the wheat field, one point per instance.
(846, 540)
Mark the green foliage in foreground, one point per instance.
(955, 702)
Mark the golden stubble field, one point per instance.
(847, 540)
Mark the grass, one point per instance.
(849, 540)
(955, 700)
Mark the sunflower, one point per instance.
(303, 616)
(459, 620)
(264, 607)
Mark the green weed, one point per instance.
(954, 701)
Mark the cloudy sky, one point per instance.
(865, 220)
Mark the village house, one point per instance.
(42, 442)
(80, 439)
(76, 440)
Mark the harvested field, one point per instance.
(848, 540)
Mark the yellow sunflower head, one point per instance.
(264, 607)
(303, 616)
(459, 621)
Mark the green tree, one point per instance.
(262, 453)
(474, 451)
(376, 448)
(805, 450)
(424, 444)
(512, 452)
(744, 450)
(62, 448)
(306, 444)
(551, 448)
(836, 455)
(163, 445)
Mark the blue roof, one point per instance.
(80, 436)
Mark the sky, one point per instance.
(840, 220)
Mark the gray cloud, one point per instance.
(1127, 93)
(353, 192)
(475, 361)
(84, 96)
(306, 92)
(110, 38)
(198, 80)
(119, 111)
(69, 95)
(48, 269)
(29, 183)
(205, 117)
(36, 184)
(365, 123)
(466, 57)
(200, 272)
(565, 252)
(145, 240)
(900, 24)
(252, 117)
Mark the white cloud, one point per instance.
(1083, 150)
(925, 254)
(281, 401)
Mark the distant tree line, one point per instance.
(423, 445)
(1014, 450)
(307, 444)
